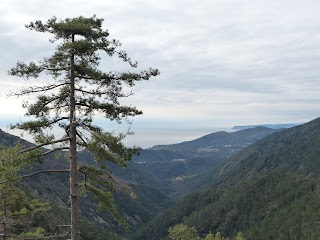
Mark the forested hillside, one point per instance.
(148, 181)
(53, 188)
(254, 189)
(269, 190)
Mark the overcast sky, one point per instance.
(222, 62)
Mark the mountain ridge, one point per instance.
(270, 125)
(221, 137)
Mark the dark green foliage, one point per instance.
(256, 208)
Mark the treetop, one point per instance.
(87, 27)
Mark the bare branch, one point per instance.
(44, 144)
(84, 141)
(37, 89)
(54, 150)
(35, 173)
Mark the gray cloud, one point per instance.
(222, 62)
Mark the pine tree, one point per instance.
(79, 90)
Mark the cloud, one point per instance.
(222, 62)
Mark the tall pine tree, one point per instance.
(79, 90)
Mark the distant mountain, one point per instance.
(176, 163)
(220, 139)
(269, 190)
(274, 126)
(7, 139)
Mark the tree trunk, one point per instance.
(4, 220)
(75, 226)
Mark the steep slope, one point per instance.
(294, 150)
(269, 190)
(151, 194)
(7, 139)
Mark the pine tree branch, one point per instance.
(90, 128)
(43, 144)
(49, 123)
(48, 102)
(55, 108)
(108, 78)
(56, 121)
(123, 55)
(108, 93)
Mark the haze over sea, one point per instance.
(145, 136)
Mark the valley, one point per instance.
(177, 164)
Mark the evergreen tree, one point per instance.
(80, 90)
(18, 209)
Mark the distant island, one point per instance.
(273, 126)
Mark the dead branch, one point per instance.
(35, 173)
(54, 150)
(37, 89)
(43, 144)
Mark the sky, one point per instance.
(222, 62)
